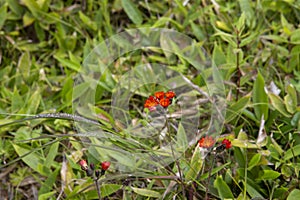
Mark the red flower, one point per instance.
(150, 103)
(170, 94)
(227, 143)
(164, 102)
(105, 165)
(83, 164)
(207, 142)
(159, 95)
(164, 99)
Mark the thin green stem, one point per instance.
(209, 175)
(176, 160)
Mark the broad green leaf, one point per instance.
(290, 99)
(287, 27)
(219, 57)
(294, 195)
(278, 104)
(33, 6)
(223, 189)
(295, 37)
(244, 144)
(247, 9)
(241, 22)
(260, 98)
(286, 171)
(3, 15)
(52, 154)
(275, 38)
(195, 165)
(269, 175)
(236, 108)
(197, 31)
(15, 7)
(48, 184)
(108, 189)
(68, 63)
(252, 191)
(146, 192)
(223, 26)
(31, 106)
(182, 142)
(132, 11)
(292, 152)
(32, 159)
(87, 21)
(47, 195)
(24, 65)
(254, 161)
(28, 19)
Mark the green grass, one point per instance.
(234, 67)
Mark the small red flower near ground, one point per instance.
(227, 143)
(170, 94)
(164, 102)
(83, 164)
(159, 95)
(150, 103)
(207, 142)
(105, 165)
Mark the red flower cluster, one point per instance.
(159, 98)
(90, 169)
(208, 141)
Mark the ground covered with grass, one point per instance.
(131, 99)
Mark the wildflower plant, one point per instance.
(156, 133)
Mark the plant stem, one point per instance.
(176, 160)
(209, 175)
(238, 65)
(97, 188)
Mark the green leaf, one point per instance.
(269, 175)
(223, 189)
(132, 11)
(87, 21)
(236, 108)
(108, 189)
(278, 104)
(146, 192)
(32, 159)
(47, 184)
(247, 9)
(68, 63)
(295, 37)
(33, 6)
(260, 98)
(219, 57)
(292, 152)
(3, 15)
(15, 7)
(252, 191)
(290, 99)
(195, 165)
(294, 195)
(46, 196)
(24, 65)
(52, 154)
(182, 142)
(254, 161)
